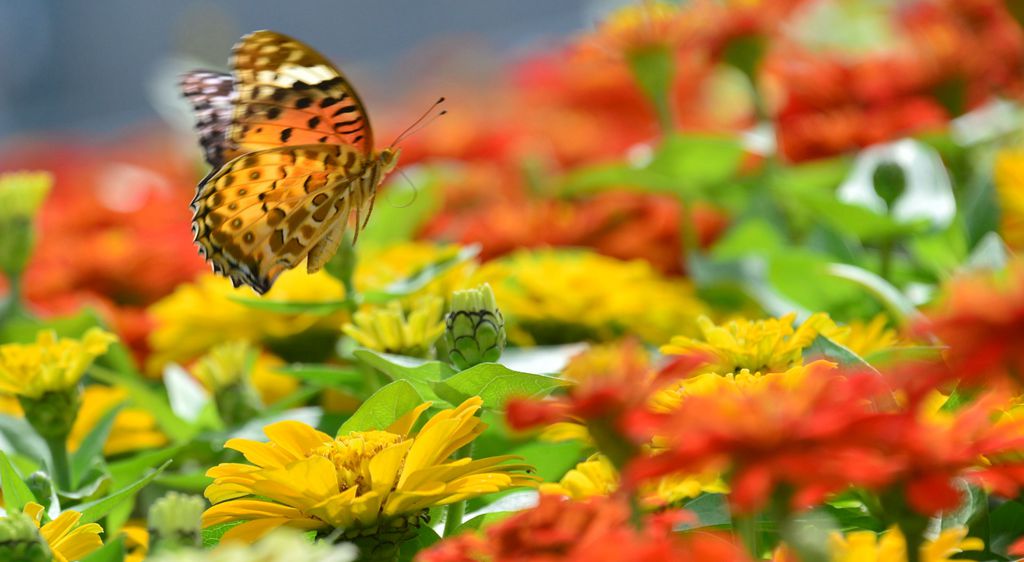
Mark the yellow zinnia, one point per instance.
(771, 345)
(51, 364)
(196, 316)
(562, 296)
(388, 328)
(133, 428)
(379, 268)
(865, 338)
(597, 476)
(866, 546)
(361, 481)
(67, 539)
(1009, 180)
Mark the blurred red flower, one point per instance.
(115, 231)
(599, 529)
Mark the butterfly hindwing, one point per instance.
(288, 94)
(264, 212)
(211, 95)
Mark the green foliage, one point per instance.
(383, 408)
(495, 384)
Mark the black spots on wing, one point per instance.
(228, 180)
(261, 196)
(236, 223)
(273, 112)
(275, 216)
(216, 199)
(300, 86)
(303, 103)
(307, 231)
(307, 183)
(357, 139)
(320, 199)
(254, 175)
(344, 109)
(293, 247)
(328, 102)
(249, 237)
(322, 139)
(242, 192)
(276, 240)
(321, 213)
(286, 134)
(279, 94)
(350, 160)
(233, 206)
(313, 122)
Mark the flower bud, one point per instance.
(174, 521)
(53, 413)
(20, 540)
(21, 195)
(225, 372)
(41, 487)
(475, 329)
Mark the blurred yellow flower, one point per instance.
(560, 296)
(865, 338)
(51, 364)
(68, 540)
(600, 360)
(644, 25)
(379, 268)
(199, 315)
(225, 365)
(388, 328)
(133, 429)
(136, 541)
(272, 385)
(771, 345)
(866, 546)
(673, 396)
(387, 479)
(1009, 179)
(597, 477)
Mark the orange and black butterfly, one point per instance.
(293, 159)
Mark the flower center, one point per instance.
(351, 455)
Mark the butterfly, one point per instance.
(293, 160)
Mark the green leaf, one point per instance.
(96, 510)
(422, 277)
(113, 551)
(16, 435)
(383, 408)
(131, 469)
(425, 537)
(824, 347)
(1006, 525)
(331, 376)
(981, 210)
(595, 179)
(91, 448)
(894, 300)
(16, 493)
(852, 220)
(550, 460)
(701, 160)
(147, 398)
(212, 535)
(711, 510)
(420, 373)
(319, 308)
(495, 384)
(190, 482)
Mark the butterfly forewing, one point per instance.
(211, 95)
(289, 94)
(263, 212)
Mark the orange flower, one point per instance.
(595, 530)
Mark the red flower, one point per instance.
(596, 530)
(982, 322)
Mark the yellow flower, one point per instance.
(602, 360)
(271, 385)
(561, 296)
(866, 546)
(136, 541)
(1009, 180)
(597, 477)
(771, 345)
(389, 329)
(225, 365)
(865, 338)
(306, 480)
(644, 25)
(196, 316)
(133, 429)
(707, 384)
(51, 364)
(68, 540)
(378, 268)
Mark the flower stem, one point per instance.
(455, 512)
(11, 306)
(746, 527)
(61, 468)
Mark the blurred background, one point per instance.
(90, 66)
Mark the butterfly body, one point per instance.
(293, 157)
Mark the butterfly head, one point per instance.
(388, 159)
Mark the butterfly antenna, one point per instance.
(424, 120)
(415, 190)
